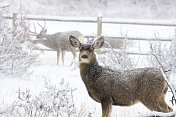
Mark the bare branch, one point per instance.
(109, 45)
(170, 85)
(151, 47)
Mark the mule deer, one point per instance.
(59, 42)
(119, 87)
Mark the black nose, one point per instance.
(84, 56)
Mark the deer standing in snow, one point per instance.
(120, 87)
(58, 41)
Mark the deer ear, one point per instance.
(98, 43)
(74, 41)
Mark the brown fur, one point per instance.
(120, 87)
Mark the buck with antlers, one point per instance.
(58, 41)
(120, 87)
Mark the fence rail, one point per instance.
(56, 18)
(129, 53)
(100, 21)
(135, 38)
(94, 20)
(169, 23)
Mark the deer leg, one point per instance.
(156, 105)
(58, 55)
(153, 105)
(106, 104)
(164, 106)
(73, 50)
(63, 55)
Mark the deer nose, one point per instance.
(84, 56)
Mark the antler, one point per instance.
(33, 33)
(43, 27)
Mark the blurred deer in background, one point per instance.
(120, 87)
(58, 41)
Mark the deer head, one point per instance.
(86, 54)
(42, 32)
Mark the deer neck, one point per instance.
(45, 36)
(90, 71)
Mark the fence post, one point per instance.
(99, 25)
(14, 23)
(99, 29)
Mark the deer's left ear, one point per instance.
(98, 43)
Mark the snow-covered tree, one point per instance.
(16, 49)
(163, 54)
(116, 58)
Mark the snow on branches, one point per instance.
(163, 54)
(116, 58)
(16, 49)
(54, 101)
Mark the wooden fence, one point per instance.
(100, 20)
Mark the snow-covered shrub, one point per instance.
(54, 101)
(116, 58)
(16, 49)
(163, 54)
